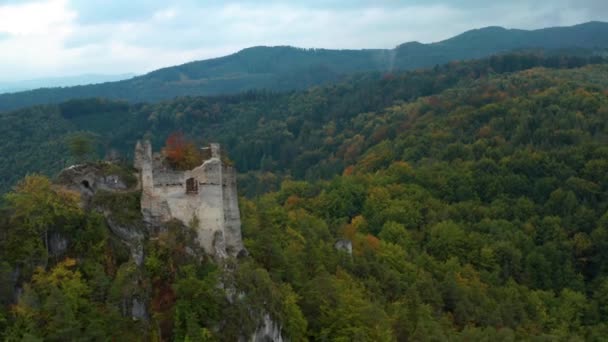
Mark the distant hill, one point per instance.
(284, 68)
(54, 82)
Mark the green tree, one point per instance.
(36, 209)
(81, 145)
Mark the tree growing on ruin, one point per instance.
(180, 153)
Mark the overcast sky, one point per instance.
(46, 38)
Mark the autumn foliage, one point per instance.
(181, 153)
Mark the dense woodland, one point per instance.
(285, 68)
(475, 196)
(268, 135)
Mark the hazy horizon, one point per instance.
(61, 81)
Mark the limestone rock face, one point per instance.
(204, 197)
(344, 245)
(91, 177)
(131, 236)
(58, 244)
(268, 331)
(138, 309)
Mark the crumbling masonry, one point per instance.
(205, 196)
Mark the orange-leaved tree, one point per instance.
(181, 153)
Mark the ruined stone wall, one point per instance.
(232, 215)
(214, 207)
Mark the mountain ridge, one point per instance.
(284, 68)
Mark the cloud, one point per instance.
(43, 38)
(103, 11)
(13, 2)
(33, 35)
(34, 18)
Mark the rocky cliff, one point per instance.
(148, 215)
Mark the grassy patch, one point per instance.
(126, 173)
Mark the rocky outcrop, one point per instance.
(138, 309)
(92, 178)
(58, 244)
(89, 178)
(202, 203)
(268, 331)
(131, 236)
(344, 246)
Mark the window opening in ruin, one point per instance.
(85, 183)
(191, 186)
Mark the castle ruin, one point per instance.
(205, 197)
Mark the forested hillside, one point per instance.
(307, 134)
(475, 196)
(285, 68)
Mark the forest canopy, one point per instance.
(475, 197)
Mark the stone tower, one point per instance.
(205, 196)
